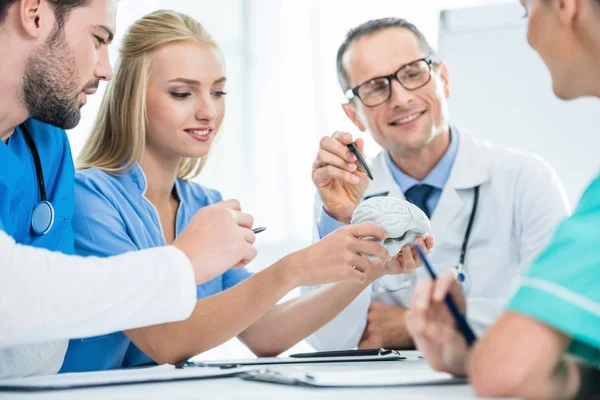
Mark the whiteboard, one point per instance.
(501, 92)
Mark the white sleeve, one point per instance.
(483, 312)
(47, 296)
(539, 208)
(540, 205)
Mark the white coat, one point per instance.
(521, 202)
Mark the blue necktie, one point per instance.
(418, 195)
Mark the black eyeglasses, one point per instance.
(376, 91)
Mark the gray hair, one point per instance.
(370, 28)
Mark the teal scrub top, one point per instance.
(19, 189)
(562, 287)
(112, 216)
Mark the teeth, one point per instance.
(201, 132)
(408, 119)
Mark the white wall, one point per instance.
(502, 92)
(283, 97)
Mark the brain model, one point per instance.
(403, 221)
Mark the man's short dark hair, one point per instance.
(61, 9)
(370, 28)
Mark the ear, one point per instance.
(351, 112)
(566, 10)
(36, 17)
(442, 70)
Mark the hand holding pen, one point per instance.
(341, 174)
(436, 320)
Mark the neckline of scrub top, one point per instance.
(137, 175)
(437, 177)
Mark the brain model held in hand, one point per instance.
(403, 221)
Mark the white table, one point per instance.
(236, 388)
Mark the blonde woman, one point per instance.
(155, 127)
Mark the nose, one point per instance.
(206, 108)
(400, 96)
(104, 70)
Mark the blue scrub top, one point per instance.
(112, 216)
(19, 190)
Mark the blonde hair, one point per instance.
(118, 137)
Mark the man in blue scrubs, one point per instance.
(54, 53)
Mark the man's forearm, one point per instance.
(288, 323)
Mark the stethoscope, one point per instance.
(458, 270)
(42, 217)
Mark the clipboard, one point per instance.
(391, 355)
(162, 373)
(352, 378)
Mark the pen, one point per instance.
(352, 147)
(462, 323)
(339, 353)
(259, 230)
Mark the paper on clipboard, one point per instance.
(353, 378)
(161, 373)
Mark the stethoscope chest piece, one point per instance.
(461, 277)
(42, 218)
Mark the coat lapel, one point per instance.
(470, 169)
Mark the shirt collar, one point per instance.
(136, 175)
(437, 177)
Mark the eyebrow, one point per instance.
(110, 33)
(196, 83)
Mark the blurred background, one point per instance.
(283, 96)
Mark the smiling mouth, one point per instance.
(202, 135)
(407, 119)
(199, 132)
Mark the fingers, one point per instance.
(231, 204)
(355, 275)
(421, 297)
(359, 262)
(324, 175)
(408, 257)
(371, 248)
(447, 284)
(429, 242)
(336, 145)
(343, 137)
(248, 254)
(247, 234)
(368, 229)
(244, 219)
(443, 285)
(325, 158)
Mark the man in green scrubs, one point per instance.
(547, 345)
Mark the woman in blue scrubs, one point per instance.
(157, 121)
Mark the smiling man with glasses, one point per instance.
(492, 209)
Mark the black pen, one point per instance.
(341, 353)
(352, 147)
(259, 230)
(461, 321)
